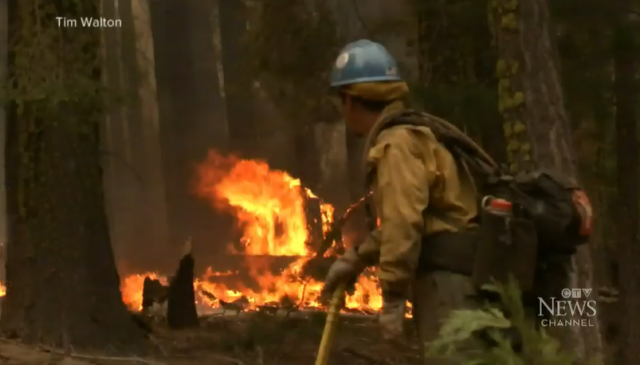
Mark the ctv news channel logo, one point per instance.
(573, 309)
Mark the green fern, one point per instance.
(456, 341)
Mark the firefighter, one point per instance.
(419, 193)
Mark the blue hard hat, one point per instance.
(364, 61)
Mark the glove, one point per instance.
(345, 270)
(392, 318)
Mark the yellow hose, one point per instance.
(330, 326)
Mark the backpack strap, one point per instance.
(463, 148)
(476, 162)
(368, 171)
(378, 127)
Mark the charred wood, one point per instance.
(181, 301)
(153, 292)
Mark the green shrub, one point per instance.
(457, 332)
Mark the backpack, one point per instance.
(552, 215)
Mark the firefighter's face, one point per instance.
(354, 115)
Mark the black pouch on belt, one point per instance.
(449, 251)
(506, 246)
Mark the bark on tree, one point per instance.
(147, 144)
(628, 204)
(62, 283)
(538, 130)
(3, 69)
(121, 179)
(134, 180)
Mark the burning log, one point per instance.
(181, 300)
(314, 221)
(231, 262)
(318, 266)
(208, 295)
(236, 306)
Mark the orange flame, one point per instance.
(131, 288)
(269, 207)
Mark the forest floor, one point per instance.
(254, 339)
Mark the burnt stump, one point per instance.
(181, 300)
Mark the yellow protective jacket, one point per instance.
(418, 190)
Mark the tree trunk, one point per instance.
(121, 178)
(192, 113)
(131, 140)
(62, 283)
(243, 132)
(537, 128)
(628, 204)
(152, 198)
(3, 69)
(334, 172)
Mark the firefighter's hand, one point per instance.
(392, 318)
(345, 270)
